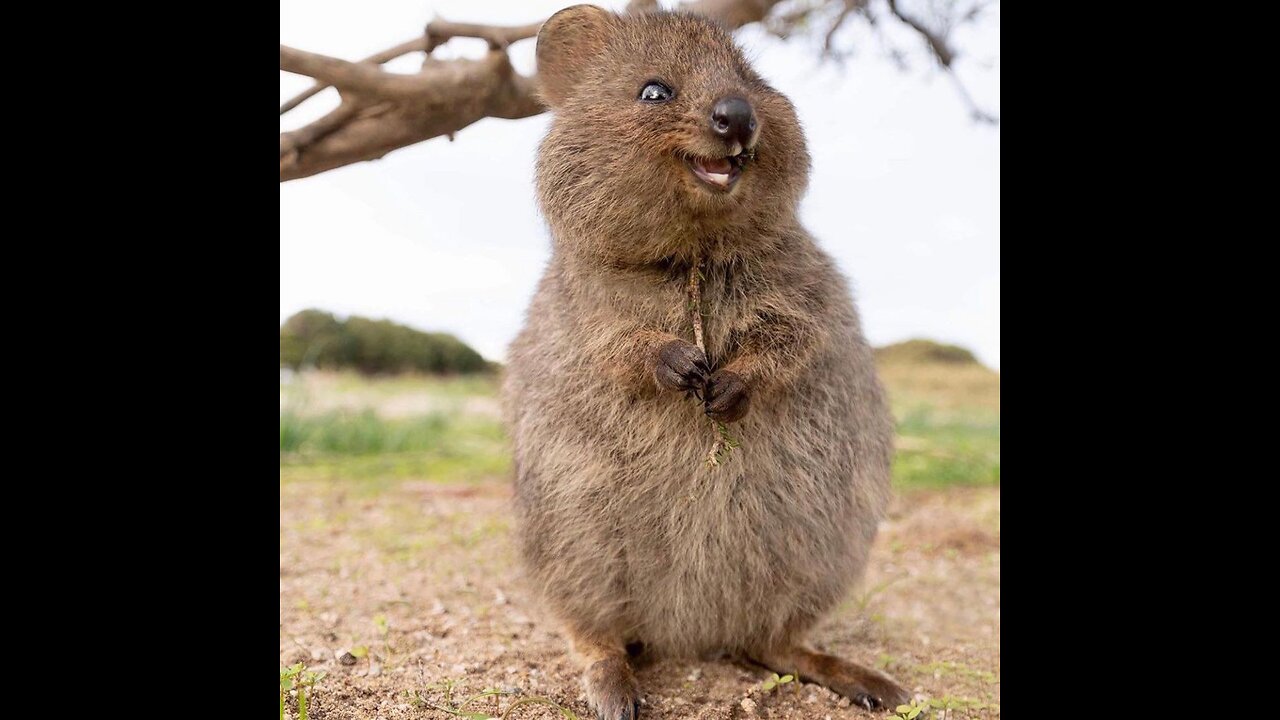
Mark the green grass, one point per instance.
(441, 465)
(346, 427)
(937, 449)
(363, 446)
(453, 386)
(362, 433)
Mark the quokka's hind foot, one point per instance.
(867, 688)
(612, 691)
(610, 683)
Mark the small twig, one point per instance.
(937, 43)
(945, 56)
(724, 443)
(828, 49)
(977, 113)
(695, 305)
(783, 24)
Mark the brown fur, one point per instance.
(625, 532)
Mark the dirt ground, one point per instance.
(415, 585)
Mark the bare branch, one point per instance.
(974, 12)
(977, 113)
(404, 48)
(439, 32)
(383, 111)
(733, 14)
(850, 6)
(451, 95)
(357, 77)
(783, 24)
(945, 56)
(827, 48)
(936, 42)
(293, 142)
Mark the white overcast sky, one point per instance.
(905, 191)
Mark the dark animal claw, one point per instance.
(867, 701)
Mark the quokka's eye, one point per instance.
(655, 92)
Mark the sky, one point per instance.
(446, 236)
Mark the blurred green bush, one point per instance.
(924, 351)
(315, 338)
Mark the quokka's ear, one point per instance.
(569, 43)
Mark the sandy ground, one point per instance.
(420, 581)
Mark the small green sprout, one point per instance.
(912, 711)
(297, 677)
(775, 681)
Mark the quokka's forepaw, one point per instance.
(681, 366)
(726, 398)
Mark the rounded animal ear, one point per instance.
(569, 43)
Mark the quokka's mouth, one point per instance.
(720, 173)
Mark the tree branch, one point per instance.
(733, 14)
(850, 7)
(439, 32)
(937, 43)
(383, 111)
(356, 77)
(945, 56)
(977, 113)
(292, 142)
(452, 95)
(415, 45)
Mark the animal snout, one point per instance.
(734, 120)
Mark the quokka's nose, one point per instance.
(733, 118)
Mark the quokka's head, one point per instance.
(664, 137)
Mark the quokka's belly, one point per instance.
(627, 531)
(727, 558)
